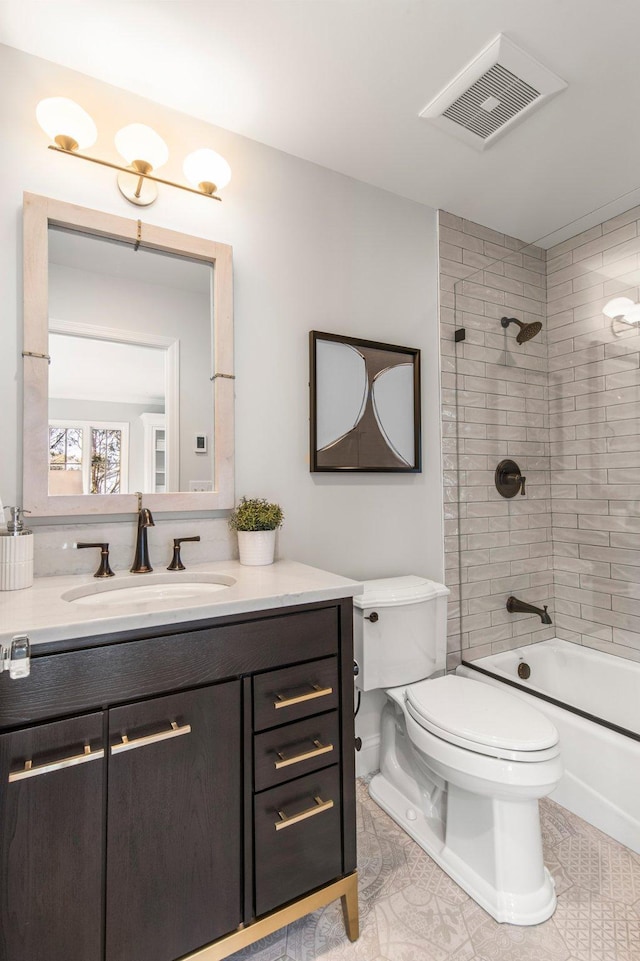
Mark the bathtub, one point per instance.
(594, 701)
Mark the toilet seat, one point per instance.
(496, 724)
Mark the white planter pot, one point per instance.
(256, 547)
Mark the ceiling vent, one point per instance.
(493, 93)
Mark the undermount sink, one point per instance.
(150, 589)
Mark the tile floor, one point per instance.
(411, 911)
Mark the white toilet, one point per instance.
(462, 764)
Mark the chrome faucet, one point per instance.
(515, 606)
(141, 563)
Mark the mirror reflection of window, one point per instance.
(88, 458)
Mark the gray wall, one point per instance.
(312, 250)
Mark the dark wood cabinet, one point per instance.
(51, 841)
(202, 797)
(173, 824)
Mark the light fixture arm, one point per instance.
(129, 170)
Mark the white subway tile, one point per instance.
(446, 219)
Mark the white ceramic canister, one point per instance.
(16, 560)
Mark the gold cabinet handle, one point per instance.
(31, 771)
(318, 808)
(317, 750)
(290, 701)
(127, 745)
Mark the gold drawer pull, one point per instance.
(287, 822)
(316, 752)
(31, 771)
(127, 745)
(290, 701)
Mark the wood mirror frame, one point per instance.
(39, 214)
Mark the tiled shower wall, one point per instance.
(594, 395)
(494, 406)
(565, 406)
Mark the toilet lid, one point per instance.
(460, 709)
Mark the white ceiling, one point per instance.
(99, 255)
(341, 83)
(83, 369)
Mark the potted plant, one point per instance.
(256, 521)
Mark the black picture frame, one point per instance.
(364, 405)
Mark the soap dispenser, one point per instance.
(16, 553)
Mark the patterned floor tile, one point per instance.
(382, 867)
(410, 910)
(508, 942)
(271, 948)
(425, 875)
(322, 935)
(602, 866)
(558, 872)
(595, 928)
(415, 918)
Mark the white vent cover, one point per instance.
(492, 93)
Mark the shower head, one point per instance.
(527, 331)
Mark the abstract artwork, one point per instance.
(365, 405)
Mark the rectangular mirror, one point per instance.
(128, 344)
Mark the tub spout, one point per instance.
(515, 606)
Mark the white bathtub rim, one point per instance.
(537, 692)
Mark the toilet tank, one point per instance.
(399, 631)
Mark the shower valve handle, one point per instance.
(520, 480)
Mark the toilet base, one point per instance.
(532, 907)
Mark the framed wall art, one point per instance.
(365, 405)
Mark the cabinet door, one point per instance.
(173, 829)
(51, 841)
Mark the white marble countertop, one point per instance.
(45, 616)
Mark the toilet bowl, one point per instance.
(461, 770)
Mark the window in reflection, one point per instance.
(86, 457)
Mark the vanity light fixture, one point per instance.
(72, 129)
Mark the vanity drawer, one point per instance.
(296, 749)
(297, 838)
(294, 692)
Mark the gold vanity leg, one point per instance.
(346, 889)
(349, 901)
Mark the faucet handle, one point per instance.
(176, 561)
(104, 569)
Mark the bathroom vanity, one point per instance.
(177, 775)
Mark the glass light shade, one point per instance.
(632, 314)
(139, 142)
(617, 307)
(207, 166)
(61, 117)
